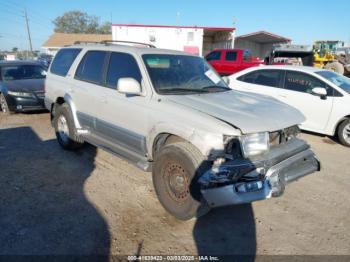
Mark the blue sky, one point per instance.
(302, 21)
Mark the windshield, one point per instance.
(341, 81)
(178, 74)
(18, 72)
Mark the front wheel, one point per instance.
(65, 129)
(176, 168)
(344, 133)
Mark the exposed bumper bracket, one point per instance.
(273, 184)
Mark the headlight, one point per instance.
(254, 144)
(22, 94)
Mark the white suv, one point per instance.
(169, 112)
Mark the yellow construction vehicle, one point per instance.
(326, 56)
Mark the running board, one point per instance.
(121, 152)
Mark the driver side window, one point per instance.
(301, 82)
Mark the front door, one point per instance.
(123, 118)
(297, 92)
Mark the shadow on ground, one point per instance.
(43, 208)
(227, 231)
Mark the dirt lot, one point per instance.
(91, 202)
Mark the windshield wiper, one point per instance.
(192, 90)
(218, 88)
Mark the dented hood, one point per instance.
(249, 112)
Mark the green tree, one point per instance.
(105, 28)
(14, 49)
(80, 22)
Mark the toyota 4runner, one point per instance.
(170, 113)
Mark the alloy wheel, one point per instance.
(346, 133)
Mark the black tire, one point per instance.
(344, 133)
(69, 140)
(4, 108)
(176, 168)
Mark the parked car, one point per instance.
(322, 96)
(229, 61)
(168, 112)
(45, 60)
(21, 86)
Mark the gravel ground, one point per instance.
(91, 202)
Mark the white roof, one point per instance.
(307, 69)
(297, 68)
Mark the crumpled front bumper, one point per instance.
(289, 163)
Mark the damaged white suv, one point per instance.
(168, 112)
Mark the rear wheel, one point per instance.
(65, 129)
(3, 105)
(335, 67)
(176, 168)
(344, 133)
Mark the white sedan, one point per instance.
(322, 96)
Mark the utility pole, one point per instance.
(28, 31)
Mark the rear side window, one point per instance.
(122, 65)
(90, 68)
(263, 77)
(63, 61)
(231, 56)
(214, 56)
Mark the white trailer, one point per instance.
(193, 39)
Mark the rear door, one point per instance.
(265, 82)
(87, 91)
(297, 92)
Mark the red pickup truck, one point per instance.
(229, 61)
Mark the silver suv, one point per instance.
(170, 113)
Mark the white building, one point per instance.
(193, 39)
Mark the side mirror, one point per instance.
(226, 79)
(320, 91)
(128, 86)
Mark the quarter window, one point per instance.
(122, 65)
(231, 56)
(91, 67)
(63, 61)
(263, 77)
(214, 56)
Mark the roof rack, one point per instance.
(127, 42)
(85, 42)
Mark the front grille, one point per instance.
(40, 94)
